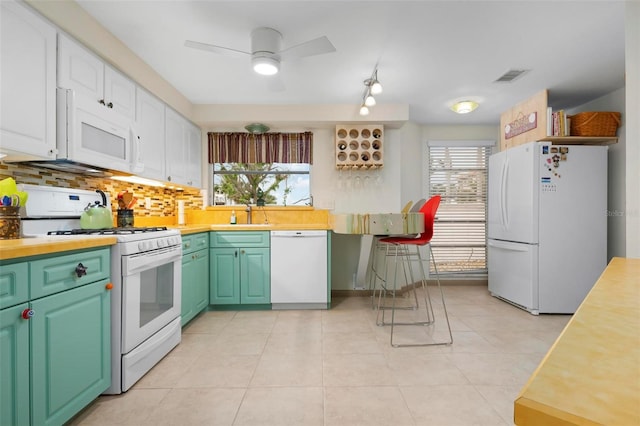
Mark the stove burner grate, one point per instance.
(109, 231)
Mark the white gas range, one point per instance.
(146, 273)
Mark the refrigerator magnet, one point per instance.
(556, 160)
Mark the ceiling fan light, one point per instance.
(370, 101)
(464, 107)
(364, 110)
(265, 65)
(376, 88)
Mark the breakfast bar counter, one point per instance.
(591, 374)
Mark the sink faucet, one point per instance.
(248, 210)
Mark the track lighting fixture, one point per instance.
(372, 87)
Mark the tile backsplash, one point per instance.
(164, 201)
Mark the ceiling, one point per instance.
(428, 53)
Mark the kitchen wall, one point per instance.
(632, 109)
(163, 200)
(616, 179)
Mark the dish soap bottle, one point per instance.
(233, 217)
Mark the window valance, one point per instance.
(238, 147)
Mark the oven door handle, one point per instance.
(140, 262)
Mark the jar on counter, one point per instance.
(10, 225)
(125, 218)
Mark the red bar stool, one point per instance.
(406, 249)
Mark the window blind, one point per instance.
(459, 175)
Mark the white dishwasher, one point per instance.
(299, 270)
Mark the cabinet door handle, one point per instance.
(101, 101)
(236, 253)
(81, 270)
(27, 313)
(242, 252)
(110, 105)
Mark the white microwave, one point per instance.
(90, 133)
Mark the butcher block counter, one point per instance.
(591, 374)
(22, 247)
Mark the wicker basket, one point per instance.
(599, 123)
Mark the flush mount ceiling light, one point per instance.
(464, 107)
(372, 87)
(265, 64)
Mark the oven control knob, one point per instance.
(27, 313)
(160, 243)
(141, 246)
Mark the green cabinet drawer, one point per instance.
(58, 273)
(14, 284)
(221, 239)
(195, 242)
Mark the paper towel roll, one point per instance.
(181, 213)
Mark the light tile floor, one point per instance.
(337, 367)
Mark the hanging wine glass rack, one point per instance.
(359, 146)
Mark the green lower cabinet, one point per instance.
(239, 276)
(70, 352)
(14, 366)
(255, 276)
(224, 276)
(195, 284)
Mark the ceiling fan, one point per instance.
(266, 52)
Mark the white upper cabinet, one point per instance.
(194, 158)
(86, 74)
(150, 129)
(183, 148)
(27, 84)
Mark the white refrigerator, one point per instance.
(547, 224)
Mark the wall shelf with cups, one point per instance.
(359, 147)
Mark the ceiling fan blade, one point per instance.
(216, 49)
(317, 46)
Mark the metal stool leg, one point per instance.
(428, 306)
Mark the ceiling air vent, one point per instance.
(510, 75)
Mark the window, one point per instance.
(458, 172)
(254, 168)
(280, 183)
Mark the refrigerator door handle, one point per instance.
(503, 194)
(508, 246)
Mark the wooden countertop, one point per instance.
(23, 247)
(591, 374)
(192, 229)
